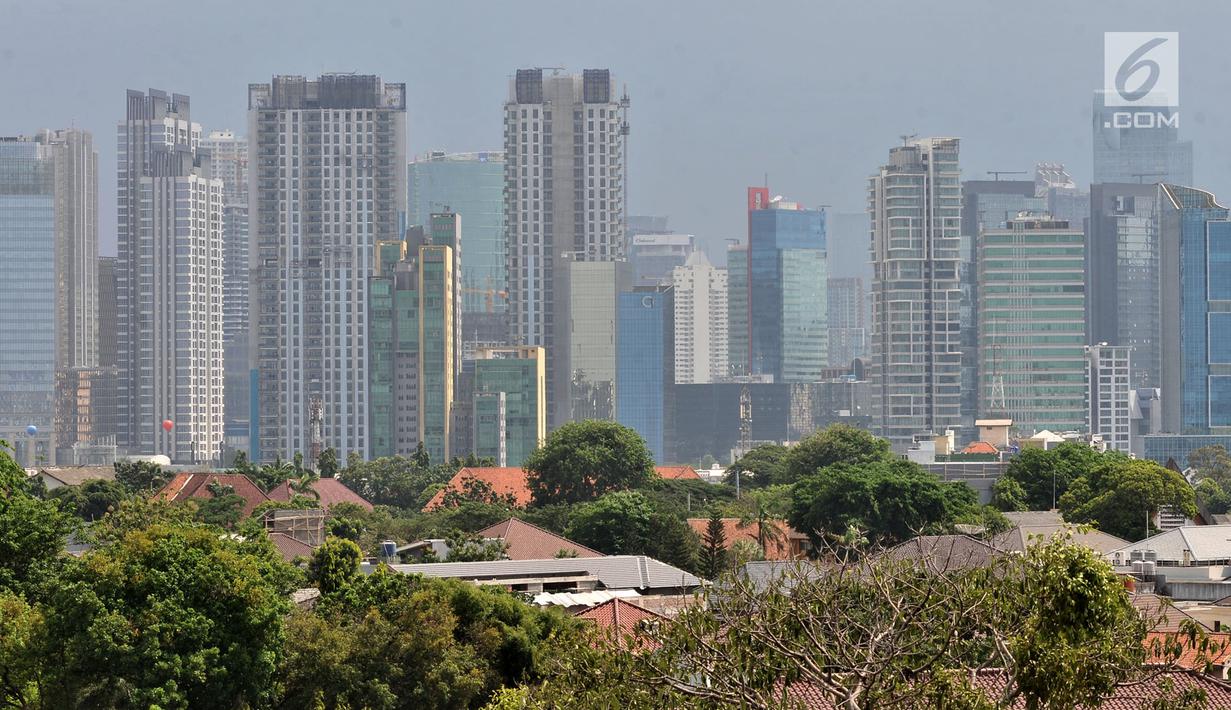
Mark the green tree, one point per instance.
(628, 523)
(714, 547)
(21, 653)
(469, 547)
(420, 456)
(305, 484)
(393, 480)
(890, 501)
(1211, 497)
(224, 508)
(1008, 495)
(1046, 475)
(32, 530)
(91, 499)
(836, 444)
(241, 465)
(141, 476)
(761, 515)
(327, 463)
(168, 617)
(1211, 462)
(765, 464)
(583, 460)
(1121, 494)
(334, 565)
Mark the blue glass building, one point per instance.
(472, 185)
(787, 291)
(644, 366)
(1195, 311)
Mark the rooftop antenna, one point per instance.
(1139, 176)
(908, 137)
(997, 173)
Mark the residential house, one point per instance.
(330, 491)
(198, 485)
(644, 574)
(524, 541)
(512, 481)
(54, 478)
(785, 543)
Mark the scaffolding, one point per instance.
(306, 525)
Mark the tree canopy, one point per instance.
(580, 461)
(838, 443)
(1118, 495)
(1044, 475)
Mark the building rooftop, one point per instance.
(1203, 543)
(943, 552)
(504, 480)
(330, 490)
(196, 485)
(615, 572)
(76, 475)
(733, 532)
(530, 542)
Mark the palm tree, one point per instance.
(305, 485)
(769, 528)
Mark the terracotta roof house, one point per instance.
(530, 542)
(196, 485)
(330, 490)
(289, 547)
(621, 618)
(792, 546)
(504, 480)
(981, 447)
(677, 473)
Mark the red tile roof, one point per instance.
(504, 480)
(512, 479)
(980, 447)
(530, 542)
(289, 547)
(778, 550)
(677, 473)
(620, 618)
(330, 490)
(196, 485)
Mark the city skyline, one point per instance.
(810, 146)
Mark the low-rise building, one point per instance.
(644, 574)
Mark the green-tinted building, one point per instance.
(737, 310)
(509, 427)
(1032, 365)
(412, 361)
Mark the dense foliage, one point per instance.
(580, 461)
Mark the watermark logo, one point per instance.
(1141, 75)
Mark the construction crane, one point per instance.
(490, 294)
(997, 173)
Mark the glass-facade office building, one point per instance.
(787, 290)
(1126, 150)
(1032, 325)
(471, 185)
(518, 373)
(1195, 311)
(28, 292)
(645, 362)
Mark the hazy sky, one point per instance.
(811, 93)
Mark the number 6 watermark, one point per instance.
(1141, 73)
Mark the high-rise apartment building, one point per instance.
(510, 407)
(1122, 296)
(700, 321)
(49, 324)
(915, 204)
(645, 366)
(564, 199)
(168, 284)
(438, 358)
(1127, 151)
(1110, 395)
(787, 290)
(1194, 311)
(229, 163)
(470, 185)
(327, 183)
(1032, 328)
(847, 331)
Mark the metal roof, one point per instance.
(614, 572)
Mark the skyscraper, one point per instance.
(1122, 252)
(916, 210)
(49, 324)
(586, 367)
(1194, 311)
(1032, 332)
(1126, 152)
(645, 365)
(327, 183)
(471, 185)
(986, 204)
(738, 335)
(847, 332)
(700, 321)
(787, 289)
(654, 256)
(169, 284)
(564, 140)
(229, 163)
(438, 358)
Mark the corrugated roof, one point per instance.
(1203, 542)
(530, 542)
(571, 599)
(613, 572)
